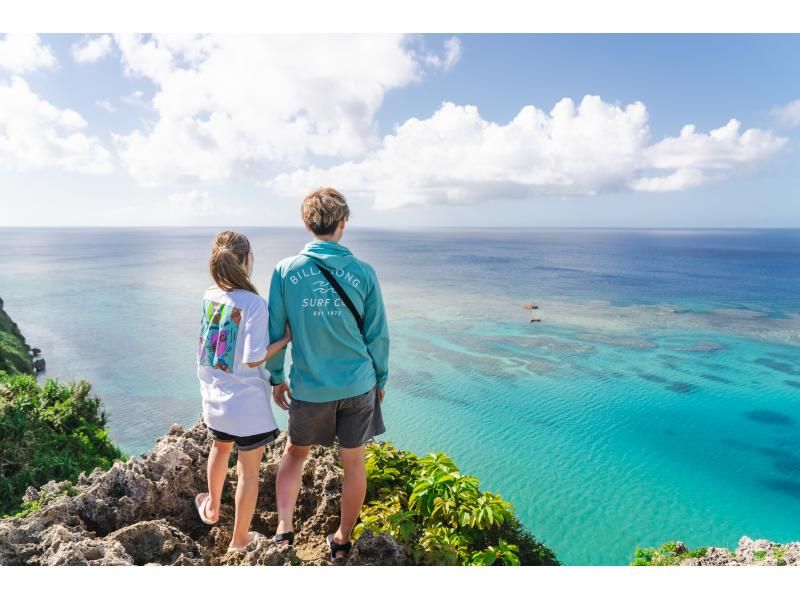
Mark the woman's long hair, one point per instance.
(228, 263)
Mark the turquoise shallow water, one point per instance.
(659, 398)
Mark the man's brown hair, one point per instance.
(323, 209)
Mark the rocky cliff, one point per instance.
(141, 512)
(748, 552)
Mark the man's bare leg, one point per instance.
(354, 489)
(287, 484)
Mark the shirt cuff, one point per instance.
(276, 379)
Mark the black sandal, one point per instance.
(284, 537)
(336, 547)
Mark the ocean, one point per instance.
(657, 399)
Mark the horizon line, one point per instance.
(398, 228)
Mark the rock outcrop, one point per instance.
(749, 552)
(141, 512)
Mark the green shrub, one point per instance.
(666, 555)
(440, 516)
(49, 432)
(779, 553)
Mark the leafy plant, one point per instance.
(504, 554)
(439, 515)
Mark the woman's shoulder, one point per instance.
(213, 292)
(242, 297)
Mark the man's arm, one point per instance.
(376, 331)
(277, 326)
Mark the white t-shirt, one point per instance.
(233, 333)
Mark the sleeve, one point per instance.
(376, 330)
(256, 338)
(277, 325)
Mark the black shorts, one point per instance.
(245, 443)
(353, 421)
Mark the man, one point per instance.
(340, 358)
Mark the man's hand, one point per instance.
(279, 394)
(381, 394)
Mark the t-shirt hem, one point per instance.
(327, 395)
(254, 357)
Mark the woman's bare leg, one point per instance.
(216, 472)
(246, 494)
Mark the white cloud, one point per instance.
(92, 49)
(452, 55)
(229, 106)
(23, 52)
(36, 134)
(135, 98)
(458, 157)
(788, 115)
(697, 158)
(105, 105)
(191, 203)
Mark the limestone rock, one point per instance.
(750, 552)
(379, 549)
(141, 511)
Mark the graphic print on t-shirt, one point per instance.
(218, 332)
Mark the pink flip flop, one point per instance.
(201, 505)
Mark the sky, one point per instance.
(594, 130)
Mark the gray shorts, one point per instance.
(354, 421)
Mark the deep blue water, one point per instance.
(658, 398)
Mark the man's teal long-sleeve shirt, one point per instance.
(331, 360)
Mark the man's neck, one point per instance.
(329, 238)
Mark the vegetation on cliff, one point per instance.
(670, 553)
(14, 356)
(440, 516)
(748, 552)
(49, 432)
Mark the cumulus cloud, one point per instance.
(229, 106)
(92, 49)
(456, 156)
(24, 52)
(191, 203)
(452, 54)
(36, 134)
(788, 115)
